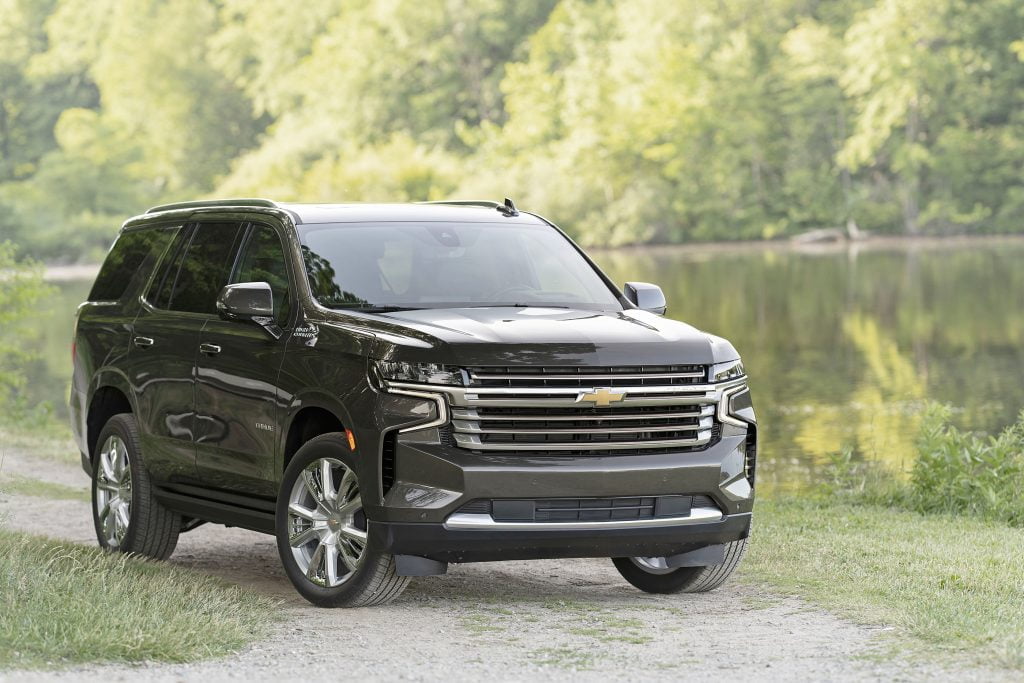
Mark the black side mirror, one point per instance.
(253, 301)
(646, 296)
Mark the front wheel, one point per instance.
(653, 575)
(322, 531)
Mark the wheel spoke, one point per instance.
(107, 522)
(327, 481)
(348, 488)
(331, 564)
(354, 534)
(104, 485)
(312, 486)
(120, 460)
(305, 513)
(349, 556)
(314, 562)
(303, 537)
(122, 515)
(106, 467)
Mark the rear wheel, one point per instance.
(653, 575)
(322, 531)
(126, 516)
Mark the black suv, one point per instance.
(390, 388)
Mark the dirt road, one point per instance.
(564, 620)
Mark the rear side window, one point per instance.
(130, 261)
(205, 268)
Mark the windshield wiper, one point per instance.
(499, 305)
(378, 309)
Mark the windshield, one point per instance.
(448, 265)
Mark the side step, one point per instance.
(232, 510)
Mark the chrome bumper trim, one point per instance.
(463, 521)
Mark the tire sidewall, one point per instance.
(671, 582)
(334, 445)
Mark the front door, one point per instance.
(237, 380)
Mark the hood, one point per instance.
(541, 336)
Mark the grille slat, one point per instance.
(558, 410)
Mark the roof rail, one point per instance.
(508, 208)
(204, 203)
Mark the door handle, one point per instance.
(143, 342)
(209, 349)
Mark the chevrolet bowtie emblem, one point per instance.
(601, 397)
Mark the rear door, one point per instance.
(237, 379)
(165, 342)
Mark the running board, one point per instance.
(219, 512)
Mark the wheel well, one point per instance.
(309, 423)
(106, 403)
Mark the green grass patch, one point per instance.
(44, 438)
(28, 486)
(950, 584)
(955, 472)
(62, 603)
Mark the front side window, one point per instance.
(443, 265)
(262, 260)
(205, 268)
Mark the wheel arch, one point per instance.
(310, 419)
(111, 396)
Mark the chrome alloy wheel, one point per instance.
(326, 523)
(114, 491)
(653, 565)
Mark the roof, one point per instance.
(448, 212)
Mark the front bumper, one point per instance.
(443, 544)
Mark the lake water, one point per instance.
(843, 347)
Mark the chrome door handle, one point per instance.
(143, 342)
(209, 349)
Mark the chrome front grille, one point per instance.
(585, 410)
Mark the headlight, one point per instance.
(419, 373)
(722, 372)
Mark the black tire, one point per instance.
(683, 579)
(375, 580)
(152, 530)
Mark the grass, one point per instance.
(949, 584)
(45, 438)
(28, 486)
(955, 472)
(62, 603)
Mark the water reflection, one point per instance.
(843, 347)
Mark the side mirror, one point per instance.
(646, 296)
(253, 301)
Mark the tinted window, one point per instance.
(205, 268)
(262, 260)
(159, 293)
(130, 260)
(433, 265)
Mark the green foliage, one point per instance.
(627, 121)
(955, 472)
(62, 603)
(21, 290)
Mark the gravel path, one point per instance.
(543, 620)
